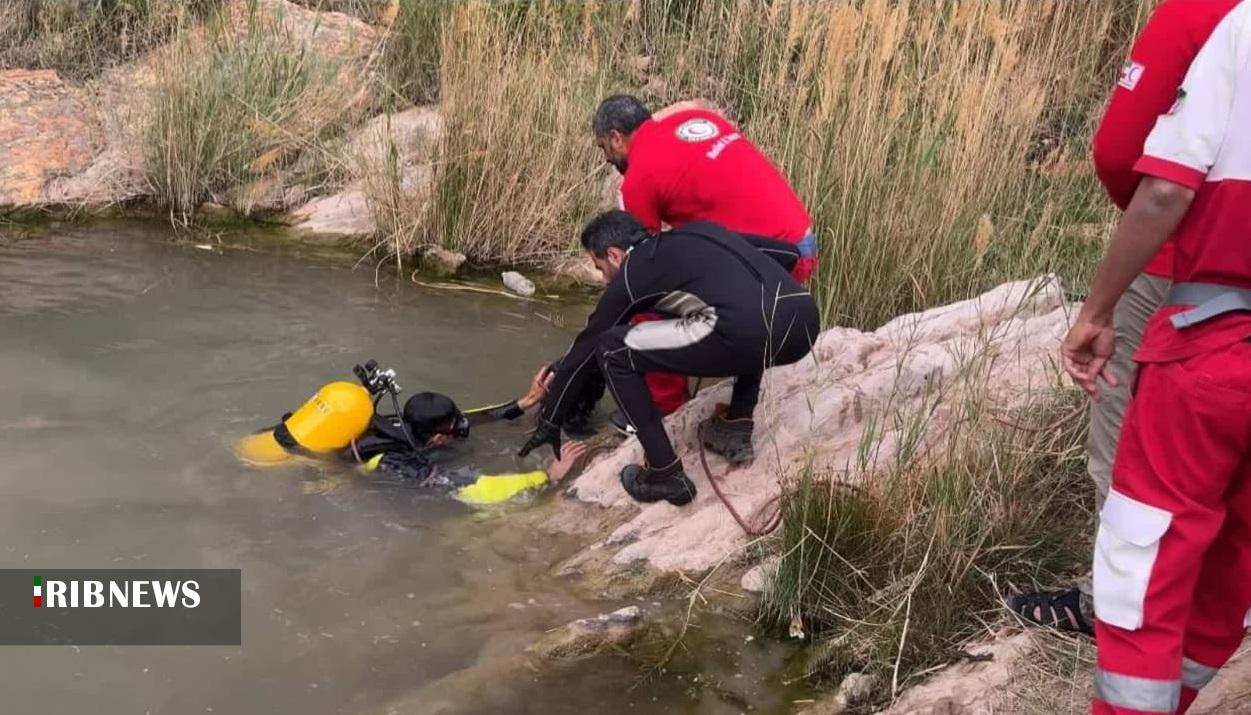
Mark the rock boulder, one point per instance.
(46, 132)
(815, 413)
(590, 636)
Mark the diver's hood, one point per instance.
(429, 413)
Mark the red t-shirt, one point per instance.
(694, 165)
(1148, 87)
(1204, 143)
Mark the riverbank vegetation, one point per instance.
(231, 104)
(942, 148)
(896, 575)
(81, 38)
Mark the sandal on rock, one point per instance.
(1061, 610)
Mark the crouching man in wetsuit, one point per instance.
(730, 310)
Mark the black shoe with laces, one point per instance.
(652, 485)
(729, 438)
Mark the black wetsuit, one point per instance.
(735, 312)
(399, 458)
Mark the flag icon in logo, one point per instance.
(38, 591)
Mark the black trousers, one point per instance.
(627, 353)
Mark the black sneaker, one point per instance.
(652, 485)
(729, 438)
(621, 424)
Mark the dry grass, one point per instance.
(230, 105)
(894, 575)
(941, 148)
(80, 38)
(516, 175)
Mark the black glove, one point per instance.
(545, 433)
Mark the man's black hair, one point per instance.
(612, 229)
(620, 112)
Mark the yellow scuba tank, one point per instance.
(328, 422)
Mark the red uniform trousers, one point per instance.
(1173, 555)
(669, 391)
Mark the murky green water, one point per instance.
(128, 365)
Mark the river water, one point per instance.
(130, 362)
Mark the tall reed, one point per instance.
(80, 38)
(941, 147)
(230, 104)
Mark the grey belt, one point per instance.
(1210, 299)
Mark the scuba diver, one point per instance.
(342, 422)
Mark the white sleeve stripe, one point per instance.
(1193, 133)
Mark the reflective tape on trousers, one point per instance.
(1196, 675)
(1142, 694)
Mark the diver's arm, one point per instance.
(518, 407)
(615, 305)
(498, 488)
(494, 413)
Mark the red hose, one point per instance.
(750, 530)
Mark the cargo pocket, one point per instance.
(1125, 554)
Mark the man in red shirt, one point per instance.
(1172, 565)
(694, 165)
(689, 163)
(1148, 86)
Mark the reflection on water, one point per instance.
(128, 365)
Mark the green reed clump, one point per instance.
(230, 104)
(893, 575)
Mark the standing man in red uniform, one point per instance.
(1172, 565)
(1148, 86)
(689, 163)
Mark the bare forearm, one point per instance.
(1154, 214)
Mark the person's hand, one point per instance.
(1085, 353)
(545, 433)
(538, 388)
(561, 467)
(438, 440)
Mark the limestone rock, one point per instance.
(588, 636)
(212, 211)
(974, 686)
(412, 135)
(579, 270)
(816, 411)
(610, 191)
(518, 283)
(349, 214)
(443, 262)
(857, 689)
(345, 215)
(45, 132)
(332, 35)
(757, 578)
